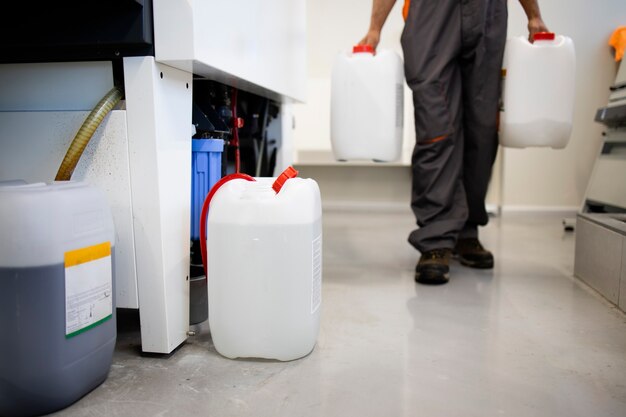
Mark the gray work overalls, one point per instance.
(453, 53)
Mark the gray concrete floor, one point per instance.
(525, 339)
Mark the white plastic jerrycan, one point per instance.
(57, 294)
(538, 92)
(367, 102)
(264, 255)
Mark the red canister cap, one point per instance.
(543, 36)
(356, 49)
(288, 173)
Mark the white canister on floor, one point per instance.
(264, 256)
(367, 105)
(538, 92)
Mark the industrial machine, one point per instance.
(606, 191)
(600, 258)
(179, 64)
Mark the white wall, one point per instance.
(532, 178)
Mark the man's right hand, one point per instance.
(535, 25)
(371, 38)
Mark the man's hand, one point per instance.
(371, 38)
(535, 25)
(380, 11)
(535, 22)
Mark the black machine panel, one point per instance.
(75, 30)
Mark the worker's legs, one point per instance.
(481, 66)
(431, 44)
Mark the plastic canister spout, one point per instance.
(544, 36)
(289, 172)
(359, 49)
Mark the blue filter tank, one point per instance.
(206, 165)
(206, 170)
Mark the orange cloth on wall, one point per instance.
(618, 41)
(405, 9)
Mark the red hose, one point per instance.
(205, 212)
(235, 141)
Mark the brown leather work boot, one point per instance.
(432, 268)
(471, 253)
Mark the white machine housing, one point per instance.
(141, 153)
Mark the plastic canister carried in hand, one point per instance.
(538, 92)
(264, 260)
(367, 105)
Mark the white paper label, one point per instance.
(88, 288)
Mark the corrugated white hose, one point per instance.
(86, 131)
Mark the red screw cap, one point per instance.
(356, 49)
(543, 36)
(288, 173)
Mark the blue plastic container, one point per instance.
(206, 170)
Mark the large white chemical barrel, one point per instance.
(264, 255)
(57, 307)
(367, 102)
(538, 92)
